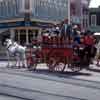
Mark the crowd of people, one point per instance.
(73, 38)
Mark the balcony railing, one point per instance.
(41, 9)
(10, 9)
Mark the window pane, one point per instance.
(93, 20)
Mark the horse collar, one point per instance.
(9, 46)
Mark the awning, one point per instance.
(96, 33)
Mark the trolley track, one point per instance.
(37, 91)
(69, 80)
(12, 96)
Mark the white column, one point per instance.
(40, 31)
(18, 36)
(22, 6)
(12, 34)
(69, 19)
(33, 32)
(32, 6)
(81, 14)
(39, 35)
(27, 37)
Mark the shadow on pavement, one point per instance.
(94, 70)
(61, 74)
(77, 73)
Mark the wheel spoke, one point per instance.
(51, 63)
(60, 67)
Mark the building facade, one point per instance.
(10, 9)
(25, 18)
(54, 10)
(94, 22)
(80, 12)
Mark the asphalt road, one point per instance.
(7, 97)
(43, 85)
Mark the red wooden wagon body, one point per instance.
(56, 52)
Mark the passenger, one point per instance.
(71, 42)
(94, 49)
(98, 61)
(81, 48)
(77, 37)
(46, 39)
(98, 54)
(89, 39)
(89, 42)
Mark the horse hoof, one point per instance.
(97, 65)
(18, 67)
(30, 70)
(7, 66)
(12, 66)
(23, 67)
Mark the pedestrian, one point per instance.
(98, 61)
(98, 54)
(89, 42)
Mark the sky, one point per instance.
(94, 3)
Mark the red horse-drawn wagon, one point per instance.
(55, 51)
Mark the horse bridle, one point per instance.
(9, 45)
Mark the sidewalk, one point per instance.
(5, 58)
(34, 86)
(3, 64)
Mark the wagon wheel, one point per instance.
(75, 67)
(31, 64)
(60, 66)
(51, 63)
(32, 67)
(86, 60)
(74, 64)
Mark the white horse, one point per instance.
(17, 51)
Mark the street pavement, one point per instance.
(5, 97)
(44, 85)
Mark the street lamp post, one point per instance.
(69, 18)
(27, 18)
(27, 11)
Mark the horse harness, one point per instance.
(15, 53)
(9, 46)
